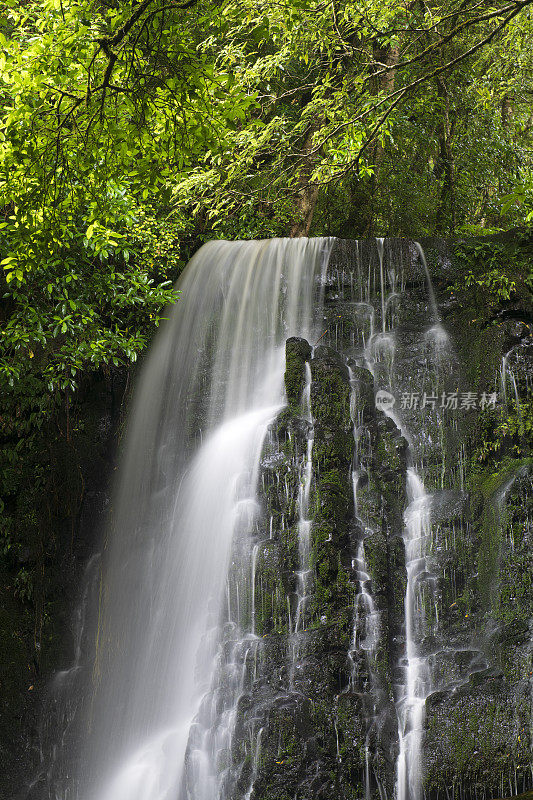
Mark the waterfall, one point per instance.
(282, 611)
(210, 388)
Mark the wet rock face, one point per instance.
(297, 352)
(309, 723)
(321, 719)
(332, 455)
(321, 706)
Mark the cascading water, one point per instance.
(379, 353)
(416, 684)
(280, 561)
(366, 616)
(366, 624)
(181, 506)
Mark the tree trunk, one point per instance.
(445, 169)
(390, 57)
(506, 110)
(308, 192)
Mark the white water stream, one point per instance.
(411, 705)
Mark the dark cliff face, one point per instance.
(318, 715)
(60, 521)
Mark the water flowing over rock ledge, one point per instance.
(376, 622)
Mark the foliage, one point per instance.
(228, 112)
(493, 273)
(71, 311)
(507, 432)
